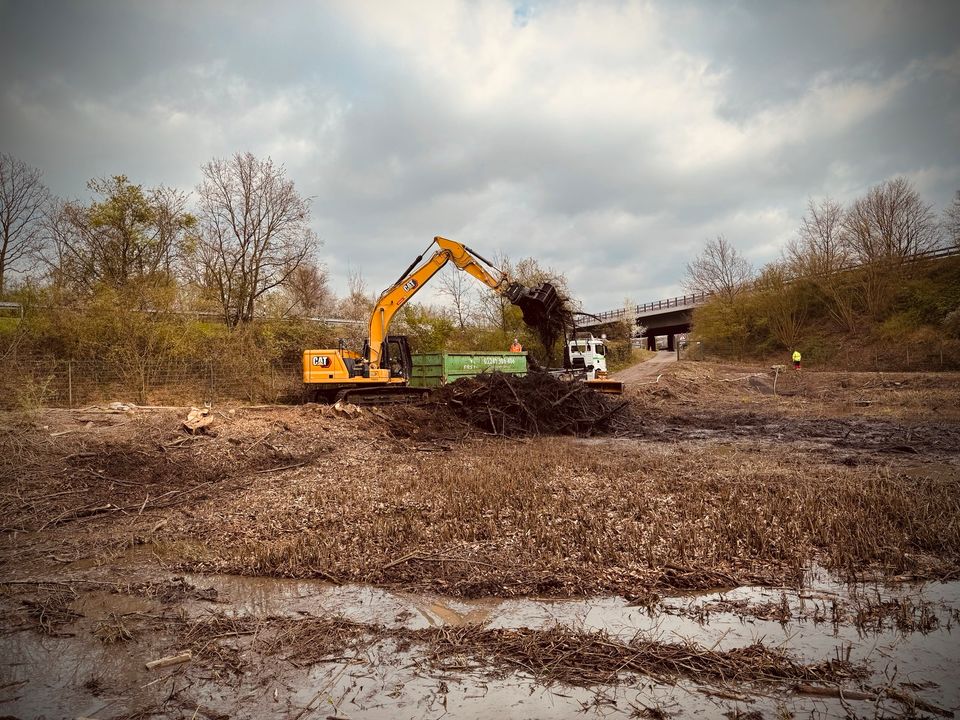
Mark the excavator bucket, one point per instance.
(608, 387)
(538, 304)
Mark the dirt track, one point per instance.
(646, 371)
(406, 518)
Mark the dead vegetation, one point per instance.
(537, 517)
(68, 466)
(531, 405)
(867, 611)
(876, 614)
(556, 654)
(113, 630)
(51, 608)
(423, 498)
(170, 591)
(897, 397)
(696, 484)
(574, 658)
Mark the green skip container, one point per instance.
(435, 369)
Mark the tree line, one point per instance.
(248, 235)
(852, 273)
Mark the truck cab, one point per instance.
(587, 353)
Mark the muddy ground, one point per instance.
(740, 542)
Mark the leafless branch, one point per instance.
(23, 197)
(255, 232)
(719, 269)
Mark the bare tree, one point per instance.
(459, 288)
(23, 197)
(497, 311)
(820, 247)
(819, 253)
(885, 229)
(890, 224)
(784, 303)
(308, 291)
(494, 308)
(951, 220)
(174, 228)
(356, 306)
(255, 231)
(359, 302)
(719, 269)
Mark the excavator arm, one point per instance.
(417, 275)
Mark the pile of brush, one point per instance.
(535, 404)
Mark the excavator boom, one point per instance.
(417, 275)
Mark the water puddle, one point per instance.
(926, 656)
(904, 634)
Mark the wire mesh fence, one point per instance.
(55, 382)
(59, 382)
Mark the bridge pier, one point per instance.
(671, 341)
(668, 331)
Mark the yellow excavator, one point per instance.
(379, 374)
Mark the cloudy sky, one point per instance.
(609, 140)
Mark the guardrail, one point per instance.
(13, 307)
(19, 309)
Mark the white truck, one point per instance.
(585, 358)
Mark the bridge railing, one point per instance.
(665, 304)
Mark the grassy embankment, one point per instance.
(905, 318)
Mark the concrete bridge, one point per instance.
(669, 317)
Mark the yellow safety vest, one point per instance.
(796, 356)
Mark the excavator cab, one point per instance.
(394, 355)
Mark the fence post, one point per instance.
(70, 383)
(210, 380)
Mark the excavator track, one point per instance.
(383, 395)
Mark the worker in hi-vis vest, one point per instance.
(796, 359)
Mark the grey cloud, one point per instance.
(393, 155)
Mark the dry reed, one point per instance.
(562, 517)
(556, 654)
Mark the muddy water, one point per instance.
(81, 676)
(920, 658)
